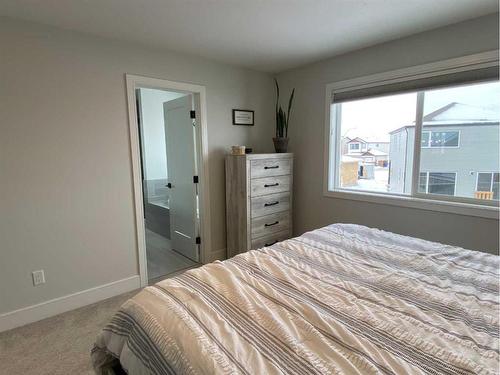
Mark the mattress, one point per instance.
(343, 299)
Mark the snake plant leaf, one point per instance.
(290, 106)
(277, 105)
(281, 122)
(282, 118)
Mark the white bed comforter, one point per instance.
(344, 299)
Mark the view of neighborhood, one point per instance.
(460, 147)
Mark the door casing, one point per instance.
(134, 82)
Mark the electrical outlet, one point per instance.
(38, 277)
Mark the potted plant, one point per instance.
(282, 121)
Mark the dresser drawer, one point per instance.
(269, 224)
(269, 204)
(270, 167)
(270, 185)
(269, 240)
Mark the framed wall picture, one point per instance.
(242, 117)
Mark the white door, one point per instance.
(181, 167)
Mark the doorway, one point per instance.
(167, 153)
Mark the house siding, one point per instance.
(477, 152)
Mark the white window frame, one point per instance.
(426, 181)
(354, 149)
(427, 174)
(432, 202)
(442, 131)
(491, 178)
(429, 139)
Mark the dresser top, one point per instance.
(285, 155)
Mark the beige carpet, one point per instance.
(57, 345)
(60, 345)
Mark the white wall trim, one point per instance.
(461, 206)
(136, 81)
(69, 302)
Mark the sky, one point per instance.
(374, 118)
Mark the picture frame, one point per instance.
(243, 117)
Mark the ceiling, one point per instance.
(266, 35)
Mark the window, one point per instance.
(455, 120)
(354, 146)
(440, 139)
(437, 183)
(488, 182)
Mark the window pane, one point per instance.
(370, 125)
(495, 185)
(422, 182)
(463, 122)
(442, 183)
(484, 182)
(444, 139)
(425, 139)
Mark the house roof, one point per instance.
(356, 139)
(367, 139)
(375, 152)
(456, 113)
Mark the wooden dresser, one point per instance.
(258, 200)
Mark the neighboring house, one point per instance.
(356, 146)
(382, 146)
(451, 163)
(368, 152)
(359, 145)
(376, 157)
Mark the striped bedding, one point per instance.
(344, 299)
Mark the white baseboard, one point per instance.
(216, 255)
(33, 313)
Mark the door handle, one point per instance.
(273, 167)
(270, 225)
(169, 185)
(270, 185)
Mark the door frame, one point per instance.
(134, 82)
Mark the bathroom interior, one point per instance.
(162, 258)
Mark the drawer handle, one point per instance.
(270, 225)
(270, 185)
(271, 243)
(273, 167)
(271, 204)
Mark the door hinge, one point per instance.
(192, 114)
(198, 240)
(195, 179)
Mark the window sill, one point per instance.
(467, 209)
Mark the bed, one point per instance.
(343, 299)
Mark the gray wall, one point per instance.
(65, 166)
(311, 208)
